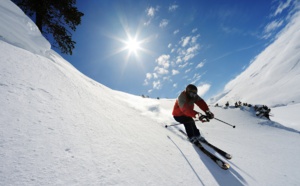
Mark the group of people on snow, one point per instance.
(260, 110)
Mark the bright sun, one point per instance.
(132, 45)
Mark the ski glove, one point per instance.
(203, 118)
(209, 114)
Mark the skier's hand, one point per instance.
(203, 118)
(209, 114)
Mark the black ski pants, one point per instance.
(189, 125)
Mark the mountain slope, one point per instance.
(274, 75)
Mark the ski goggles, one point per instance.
(192, 93)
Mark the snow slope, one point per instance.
(18, 29)
(58, 127)
(273, 76)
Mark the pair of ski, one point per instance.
(217, 160)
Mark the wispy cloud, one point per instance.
(163, 23)
(175, 72)
(185, 41)
(188, 70)
(231, 30)
(151, 12)
(161, 71)
(282, 6)
(173, 8)
(157, 85)
(200, 65)
(149, 76)
(196, 78)
(271, 27)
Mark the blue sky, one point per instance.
(156, 47)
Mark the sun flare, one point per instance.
(132, 45)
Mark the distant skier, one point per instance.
(227, 104)
(183, 111)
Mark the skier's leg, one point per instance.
(189, 125)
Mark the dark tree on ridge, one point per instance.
(54, 17)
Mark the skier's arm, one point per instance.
(202, 104)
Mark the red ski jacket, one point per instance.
(184, 106)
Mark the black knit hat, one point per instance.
(191, 87)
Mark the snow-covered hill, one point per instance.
(58, 127)
(273, 76)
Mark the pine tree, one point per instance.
(54, 17)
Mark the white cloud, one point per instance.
(163, 60)
(169, 45)
(196, 78)
(173, 7)
(189, 53)
(272, 26)
(167, 78)
(188, 70)
(188, 57)
(282, 6)
(194, 38)
(194, 30)
(175, 85)
(146, 82)
(203, 89)
(147, 23)
(174, 72)
(192, 49)
(148, 75)
(151, 11)
(185, 41)
(200, 65)
(178, 59)
(157, 85)
(160, 70)
(176, 32)
(163, 23)
(183, 65)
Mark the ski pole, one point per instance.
(179, 124)
(173, 125)
(225, 122)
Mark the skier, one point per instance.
(183, 112)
